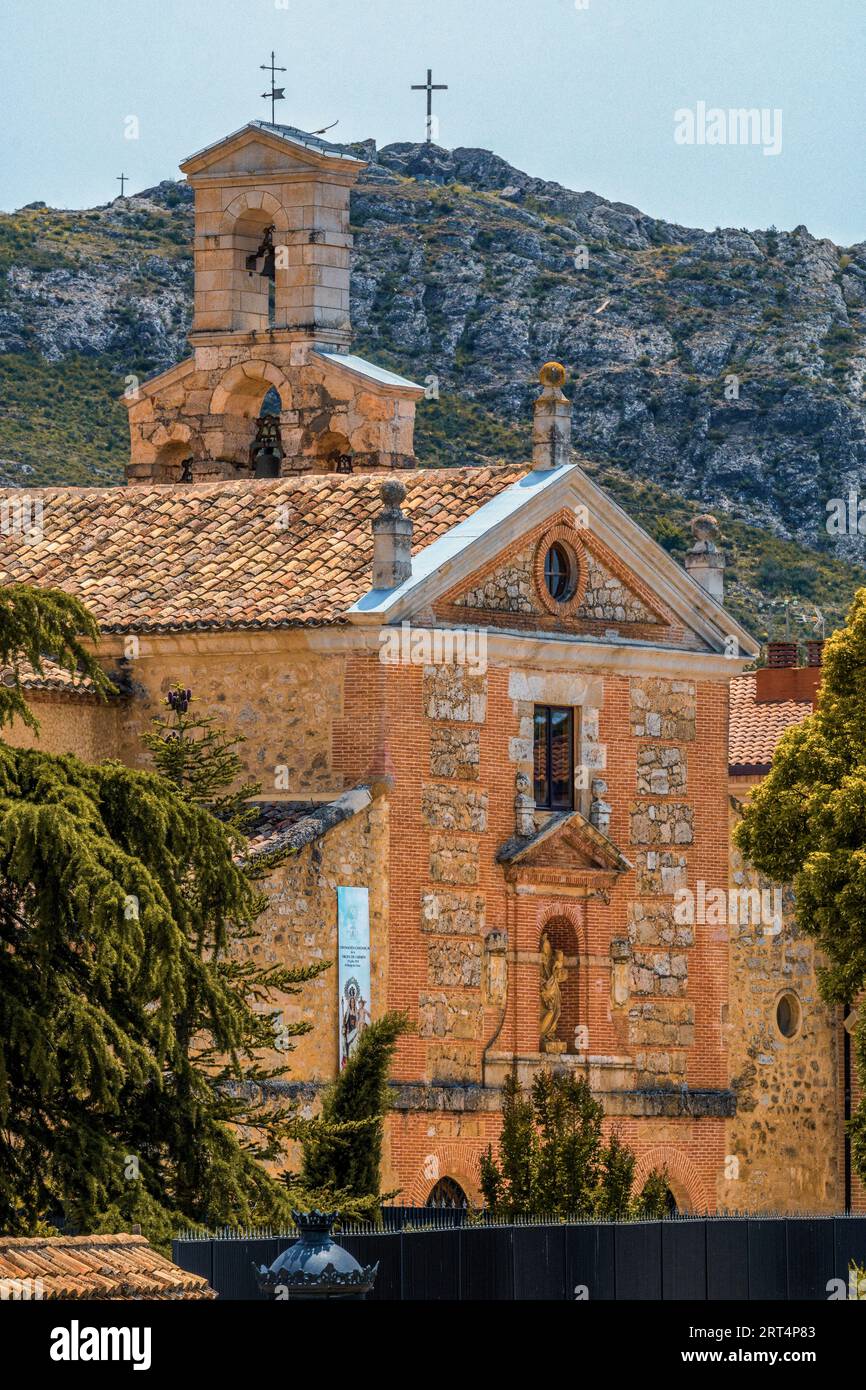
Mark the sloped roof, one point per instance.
(250, 554)
(286, 827)
(755, 729)
(109, 1266)
(289, 134)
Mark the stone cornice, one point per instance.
(518, 650)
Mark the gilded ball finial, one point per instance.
(552, 374)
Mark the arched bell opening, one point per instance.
(175, 463)
(331, 452)
(256, 257)
(248, 409)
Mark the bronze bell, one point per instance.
(266, 462)
(264, 260)
(266, 450)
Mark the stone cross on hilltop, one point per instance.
(429, 87)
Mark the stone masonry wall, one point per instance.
(785, 1143)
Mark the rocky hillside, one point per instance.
(722, 370)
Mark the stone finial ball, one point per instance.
(705, 527)
(392, 493)
(552, 374)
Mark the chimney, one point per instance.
(705, 562)
(551, 428)
(783, 679)
(392, 539)
(815, 653)
(782, 655)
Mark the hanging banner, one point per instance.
(353, 957)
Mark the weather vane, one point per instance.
(276, 93)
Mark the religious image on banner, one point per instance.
(353, 957)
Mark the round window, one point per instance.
(560, 573)
(788, 1015)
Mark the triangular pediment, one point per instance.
(664, 606)
(568, 848)
(259, 149)
(606, 594)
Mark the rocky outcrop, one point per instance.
(725, 366)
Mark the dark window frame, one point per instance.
(546, 802)
(560, 573)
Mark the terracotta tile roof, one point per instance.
(755, 729)
(111, 1266)
(53, 678)
(288, 826)
(272, 553)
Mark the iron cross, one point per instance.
(276, 93)
(121, 179)
(429, 87)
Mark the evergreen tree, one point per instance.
(806, 825)
(552, 1158)
(199, 758)
(509, 1183)
(654, 1196)
(128, 1032)
(342, 1147)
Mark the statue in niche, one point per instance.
(553, 974)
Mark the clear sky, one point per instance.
(582, 91)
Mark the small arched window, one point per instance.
(448, 1195)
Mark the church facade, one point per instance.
(490, 715)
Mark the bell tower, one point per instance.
(272, 209)
(271, 319)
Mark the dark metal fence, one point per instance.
(696, 1258)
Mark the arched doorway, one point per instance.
(448, 1195)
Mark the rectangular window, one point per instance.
(554, 758)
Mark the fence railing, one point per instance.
(683, 1258)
